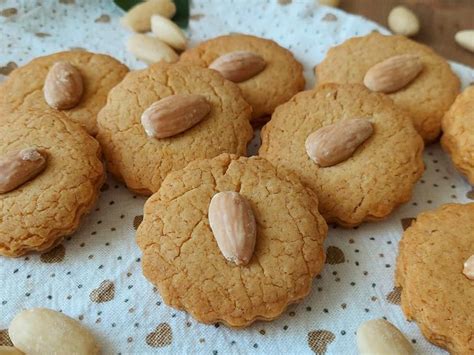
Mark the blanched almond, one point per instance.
(468, 270)
(40, 331)
(238, 66)
(465, 39)
(150, 49)
(18, 167)
(332, 144)
(233, 224)
(174, 114)
(393, 73)
(63, 86)
(403, 21)
(138, 17)
(378, 336)
(168, 32)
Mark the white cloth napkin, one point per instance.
(95, 275)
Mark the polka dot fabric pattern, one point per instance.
(95, 276)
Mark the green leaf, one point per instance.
(181, 18)
(127, 4)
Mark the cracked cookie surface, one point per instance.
(435, 292)
(38, 214)
(458, 133)
(379, 175)
(143, 162)
(24, 87)
(277, 83)
(426, 98)
(181, 256)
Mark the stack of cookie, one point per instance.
(230, 238)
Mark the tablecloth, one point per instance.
(95, 275)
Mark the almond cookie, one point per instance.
(360, 171)
(458, 133)
(38, 210)
(425, 96)
(280, 77)
(434, 273)
(142, 103)
(98, 73)
(182, 259)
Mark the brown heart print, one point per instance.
(394, 296)
(55, 255)
(334, 255)
(319, 340)
(104, 293)
(161, 336)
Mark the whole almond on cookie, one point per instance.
(168, 32)
(238, 66)
(174, 114)
(393, 73)
(332, 144)
(18, 167)
(63, 86)
(233, 224)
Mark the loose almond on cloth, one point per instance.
(378, 336)
(238, 66)
(469, 268)
(174, 114)
(18, 167)
(465, 39)
(233, 224)
(393, 73)
(335, 143)
(138, 17)
(40, 331)
(168, 32)
(63, 86)
(403, 21)
(150, 49)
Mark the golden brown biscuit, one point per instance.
(277, 83)
(458, 133)
(378, 176)
(181, 256)
(23, 88)
(426, 98)
(38, 214)
(435, 292)
(143, 162)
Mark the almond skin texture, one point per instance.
(18, 167)
(168, 32)
(393, 73)
(378, 336)
(174, 114)
(335, 143)
(138, 17)
(233, 225)
(63, 86)
(238, 66)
